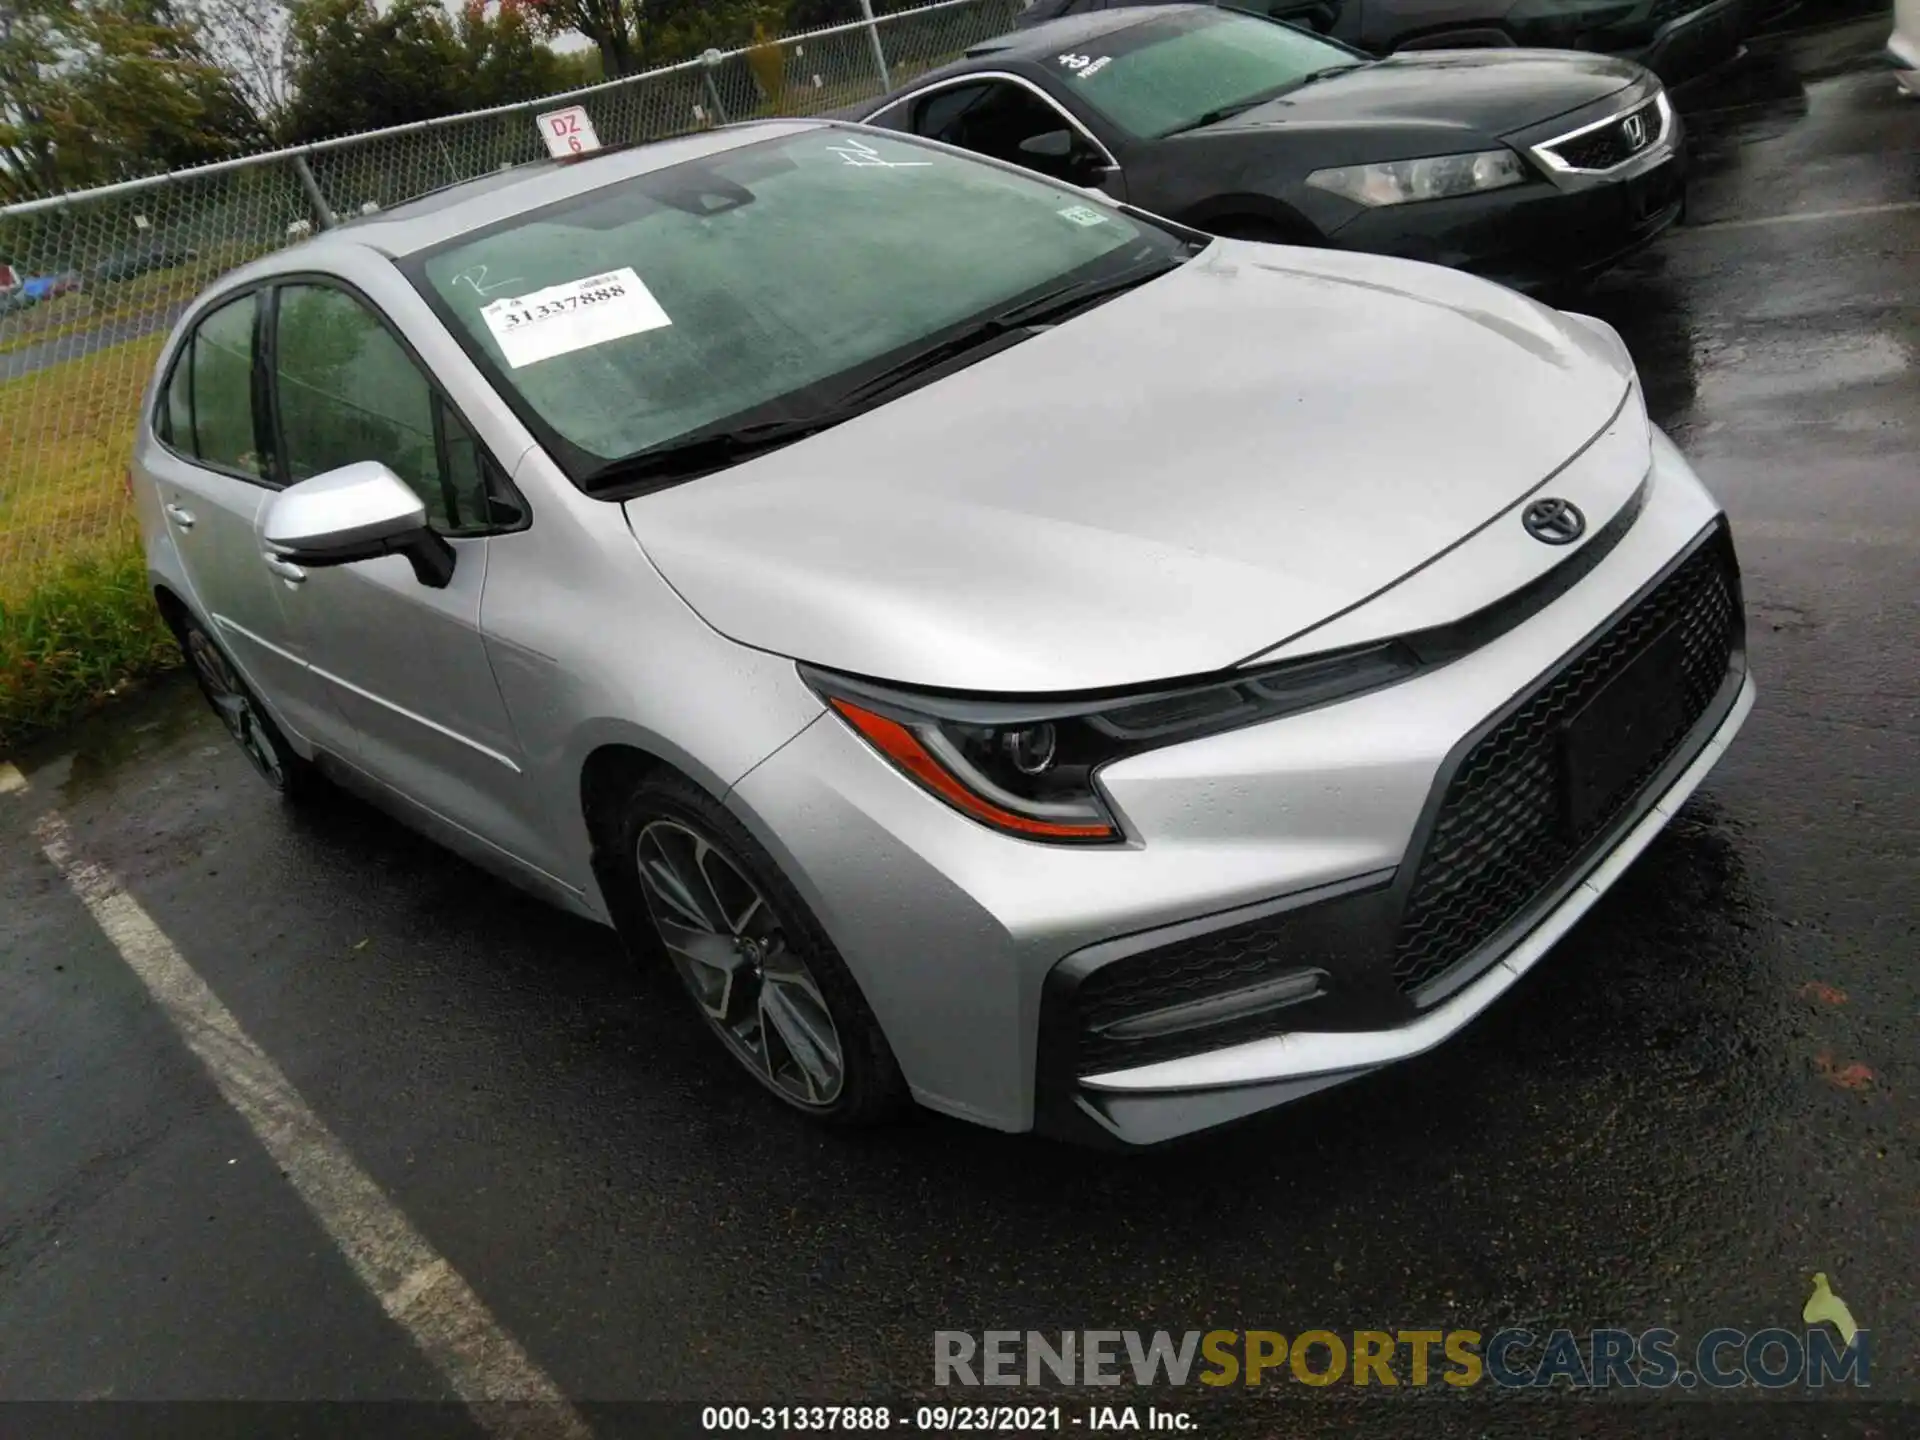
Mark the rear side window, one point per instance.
(939, 115)
(176, 419)
(208, 411)
(996, 119)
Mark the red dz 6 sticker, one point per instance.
(568, 132)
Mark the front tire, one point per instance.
(244, 717)
(748, 952)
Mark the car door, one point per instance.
(215, 474)
(406, 663)
(998, 116)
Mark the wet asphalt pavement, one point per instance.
(1707, 1093)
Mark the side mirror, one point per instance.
(1063, 155)
(358, 512)
(1052, 145)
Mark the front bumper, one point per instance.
(1159, 1101)
(957, 935)
(1903, 57)
(1679, 40)
(1691, 45)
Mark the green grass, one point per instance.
(82, 634)
(76, 618)
(66, 434)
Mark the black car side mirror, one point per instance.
(1063, 155)
(1051, 145)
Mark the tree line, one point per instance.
(94, 91)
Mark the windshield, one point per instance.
(757, 284)
(1174, 72)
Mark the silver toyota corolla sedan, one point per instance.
(1003, 650)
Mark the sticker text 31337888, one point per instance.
(573, 315)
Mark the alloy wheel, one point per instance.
(234, 706)
(734, 956)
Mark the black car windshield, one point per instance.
(1181, 69)
(760, 284)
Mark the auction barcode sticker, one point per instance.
(573, 316)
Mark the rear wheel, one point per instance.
(245, 719)
(762, 974)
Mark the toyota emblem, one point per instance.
(1634, 127)
(1554, 522)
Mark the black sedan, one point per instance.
(1677, 39)
(1529, 167)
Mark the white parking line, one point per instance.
(1804, 217)
(506, 1392)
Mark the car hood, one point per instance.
(1163, 486)
(1488, 92)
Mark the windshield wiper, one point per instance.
(1329, 72)
(704, 451)
(715, 448)
(1240, 107)
(1046, 309)
(1057, 305)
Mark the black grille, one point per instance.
(1500, 839)
(1195, 969)
(1608, 146)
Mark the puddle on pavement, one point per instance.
(165, 715)
(1733, 376)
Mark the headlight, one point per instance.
(1396, 182)
(1029, 768)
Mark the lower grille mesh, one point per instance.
(1499, 840)
(1197, 969)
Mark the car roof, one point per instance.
(1034, 44)
(442, 215)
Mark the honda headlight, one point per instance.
(1398, 182)
(1028, 768)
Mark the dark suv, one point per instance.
(1676, 39)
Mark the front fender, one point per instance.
(591, 648)
(1249, 205)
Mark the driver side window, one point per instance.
(995, 118)
(347, 391)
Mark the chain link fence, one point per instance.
(101, 275)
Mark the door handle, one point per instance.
(285, 569)
(180, 516)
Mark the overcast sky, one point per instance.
(563, 42)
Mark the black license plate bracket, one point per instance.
(1621, 730)
(1649, 194)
